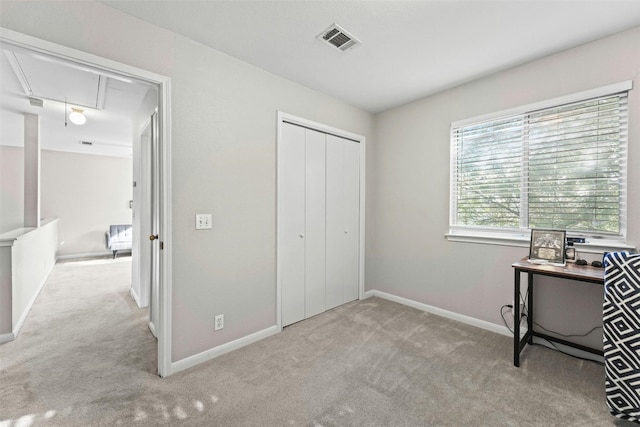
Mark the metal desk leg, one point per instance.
(530, 309)
(516, 324)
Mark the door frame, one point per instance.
(155, 155)
(148, 224)
(163, 85)
(289, 118)
(142, 206)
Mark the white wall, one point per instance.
(223, 160)
(86, 193)
(410, 256)
(11, 188)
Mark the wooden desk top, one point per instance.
(585, 273)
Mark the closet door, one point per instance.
(318, 222)
(314, 223)
(351, 218)
(343, 221)
(291, 222)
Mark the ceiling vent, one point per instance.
(36, 102)
(337, 37)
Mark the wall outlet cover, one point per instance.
(218, 322)
(203, 221)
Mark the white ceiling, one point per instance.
(410, 49)
(109, 103)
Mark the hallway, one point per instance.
(84, 335)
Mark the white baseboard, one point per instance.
(135, 297)
(196, 359)
(6, 338)
(499, 329)
(152, 328)
(88, 255)
(502, 330)
(25, 313)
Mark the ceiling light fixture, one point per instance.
(77, 116)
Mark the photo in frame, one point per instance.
(570, 254)
(548, 246)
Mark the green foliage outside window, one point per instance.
(557, 168)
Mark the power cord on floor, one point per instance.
(567, 335)
(555, 348)
(524, 314)
(505, 320)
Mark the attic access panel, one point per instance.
(41, 77)
(52, 79)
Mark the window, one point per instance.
(558, 166)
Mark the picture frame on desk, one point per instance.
(570, 254)
(548, 246)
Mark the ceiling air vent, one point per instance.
(337, 37)
(36, 102)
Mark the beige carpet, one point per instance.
(85, 357)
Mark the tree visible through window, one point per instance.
(559, 168)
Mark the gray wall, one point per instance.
(11, 188)
(411, 257)
(86, 193)
(223, 160)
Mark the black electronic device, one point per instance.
(581, 262)
(596, 264)
(573, 240)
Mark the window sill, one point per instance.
(595, 246)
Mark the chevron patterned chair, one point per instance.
(621, 334)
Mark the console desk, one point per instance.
(582, 273)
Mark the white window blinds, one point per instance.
(562, 167)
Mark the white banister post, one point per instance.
(31, 170)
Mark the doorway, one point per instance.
(161, 160)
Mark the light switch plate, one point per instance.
(203, 221)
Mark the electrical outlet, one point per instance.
(218, 322)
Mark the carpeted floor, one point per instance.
(85, 357)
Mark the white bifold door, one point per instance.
(319, 221)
